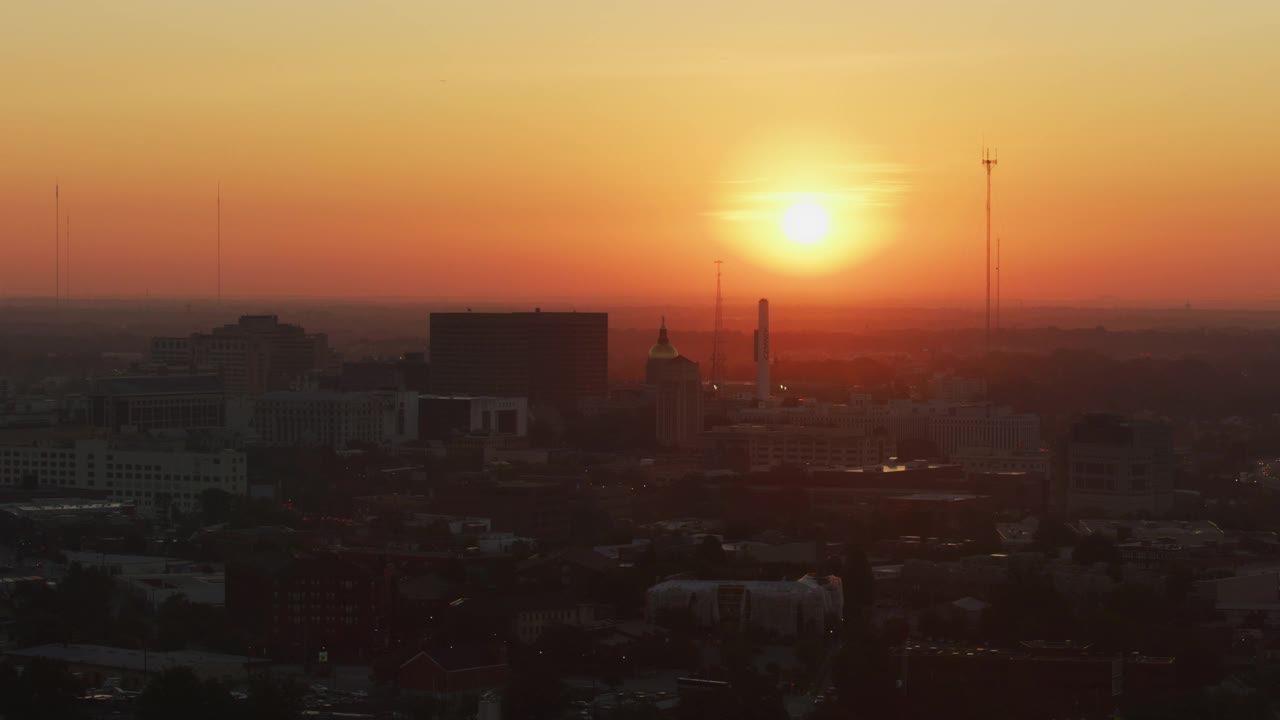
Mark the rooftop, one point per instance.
(133, 660)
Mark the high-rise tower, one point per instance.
(762, 351)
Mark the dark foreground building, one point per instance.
(312, 607)
(553, 359)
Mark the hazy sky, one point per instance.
(539, 148)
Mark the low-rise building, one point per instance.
(323, 418)
(783, 609)
(94, 664)
(1120, 467)
(156, 480)
(445, 671)
(442, 416)
(761, 447)
(141, 403)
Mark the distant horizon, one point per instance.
(584, 304)
(615, 151)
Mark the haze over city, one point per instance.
(519, 150)
(699, 360)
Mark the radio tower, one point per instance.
(989, 161)
(997, 285)
(67, 291)
(717, 339)
(219, 233)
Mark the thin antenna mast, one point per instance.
(68, 290)
(717, 339)
(219, 242)
(997, 285)
(988, 161)
(57, 245)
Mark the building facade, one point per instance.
(156, 481)
(323, 418)
(679, 402)
(997, 429)
(760, 447)
(1120, 466)
(440, 416)
(301, 605)
(555, 359)
(152, 402)
(253, 356)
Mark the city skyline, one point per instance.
(826, 155)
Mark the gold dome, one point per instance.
(663, 349)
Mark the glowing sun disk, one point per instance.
(805, 222)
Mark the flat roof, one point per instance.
(937, 497)
(126, 659)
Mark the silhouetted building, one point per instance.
(409, 372)
(453, 670)
(296, 606)
(679, 402)
(1120, 466)
(991, 427)
(542, 509)
(760, 447)
(553, 359)
(1036, 679)
(140, 403)
(257, 354)
(323, 418)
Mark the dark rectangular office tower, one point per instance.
(554, 359)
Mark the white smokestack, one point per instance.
(762, 352)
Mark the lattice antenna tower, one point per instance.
(989, 161)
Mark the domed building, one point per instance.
(660, 354)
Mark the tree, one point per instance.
(711, 552)
(216, 506)
(271, 699)
(1052, 534)
(857, 580)
(1096, 548)
(535, 692)
(44, 690)
(177, 692)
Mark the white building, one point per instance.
(1120, 466)
(151, 479)
(782, 609)
(984, 460)
(440, 416)
(322, 418)
(761, 447)
(991, 427)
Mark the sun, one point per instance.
(805, 222)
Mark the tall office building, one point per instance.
(679, 402)
(555, 359)
(253, 356)
(1120, 466)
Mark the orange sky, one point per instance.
(590, 149)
